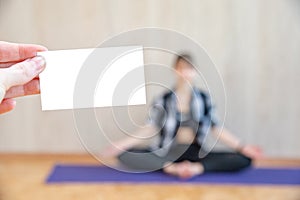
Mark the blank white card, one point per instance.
(87, 78)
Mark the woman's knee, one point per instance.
(244, 161)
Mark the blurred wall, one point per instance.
(255, 45)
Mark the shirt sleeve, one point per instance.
(211, 111)
(156, 114)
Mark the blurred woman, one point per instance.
(183, 118)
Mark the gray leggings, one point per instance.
(144, 159)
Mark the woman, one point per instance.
(183, 118)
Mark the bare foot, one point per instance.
(188, 169)
(171, 168)
(184, 170)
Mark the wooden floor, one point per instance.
(22, 177)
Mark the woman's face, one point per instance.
(185, 70)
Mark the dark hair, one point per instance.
(184, 56)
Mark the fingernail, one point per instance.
(2, 92)
(39, 60)
(14, 103)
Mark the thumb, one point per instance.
(23, 72)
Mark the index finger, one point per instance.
(11, 52)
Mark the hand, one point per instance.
(111, 151)
(19, 70)
(252, 151)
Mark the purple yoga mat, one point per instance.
(100, 174)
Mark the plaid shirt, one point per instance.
(163, 116)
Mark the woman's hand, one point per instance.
(252, 151)
(19, 70)
(111, 151)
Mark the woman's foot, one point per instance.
(184, 170)
(171, 168)
(187, 169)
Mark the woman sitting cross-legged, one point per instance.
(183, 118)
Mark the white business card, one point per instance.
(98, 77)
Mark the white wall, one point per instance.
(255, 45)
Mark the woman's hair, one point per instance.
(184, 56)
